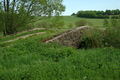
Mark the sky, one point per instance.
(73, 6)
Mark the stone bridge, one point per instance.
(70, 38)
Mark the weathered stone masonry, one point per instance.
(70, 38)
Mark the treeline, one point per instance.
(98, 14)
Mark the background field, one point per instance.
(73, 19)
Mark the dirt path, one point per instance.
(25, 35)
(25, 31)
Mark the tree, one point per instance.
(73, 14)
(108, 12)
(17, 13)
(115, 12)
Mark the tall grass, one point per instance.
(32, 59)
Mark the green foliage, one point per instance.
(56, 22)
(86, 14)
(53, 22)
(112, 37)
(98, 14)
(61, 54)
(81, 22)
(73, 14)
(70, 25)
(43, 24)
(26, 27)
(115, 17)
(106, 23)
(92, 14)
(114, 22)
(99, 38)
(31, 59)
(112, 34)
(21, 13)
(92, 39)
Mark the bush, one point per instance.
(92, 39)
(106, 23)
(56, 22)
(62, 54)
(26, 27)
(70, 25)
(112, 34)
(98, 38)
(112, 37)
(114, 22)
(43, 24)
(80, 23)
(115, 17)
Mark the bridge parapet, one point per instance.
(70, 38)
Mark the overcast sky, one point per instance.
(77, 5)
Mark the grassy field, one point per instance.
(73, 19)
(30, 59)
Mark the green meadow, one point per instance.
(30, 59)
(73, 19)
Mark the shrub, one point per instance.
(62, 54)
(56, 22)
(98, 38)
(112, 37)
(114, 22)
(112, 34)
(80, 23)
(26, 27)
(92, 39)
(105, 22)
(43, 24)
(115, 17)
(70, 25)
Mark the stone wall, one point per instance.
(70, 38)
